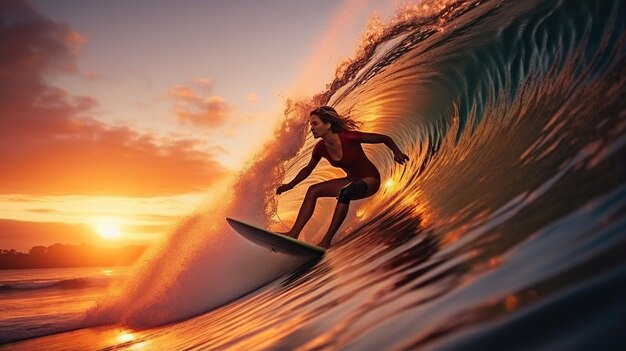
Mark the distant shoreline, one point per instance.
(58, 267)
(70, 256)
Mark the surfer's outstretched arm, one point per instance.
(374, 138)
(302, 175)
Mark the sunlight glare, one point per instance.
(125, 337)
(389, 183)
(108, 228)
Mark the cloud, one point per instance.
(193, 104)
(204, 83)
(43, 210)
(49, 142)
(91, 75)
(75, 38)
(252, 97)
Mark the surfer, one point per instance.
(341, 146)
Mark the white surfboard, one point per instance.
(275, 241)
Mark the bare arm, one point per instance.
(374, 138)
(302, 175)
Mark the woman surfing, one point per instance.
(340, 144)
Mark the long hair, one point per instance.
(338, 123)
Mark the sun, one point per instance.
(108, 228)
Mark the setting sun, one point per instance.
(108, 228)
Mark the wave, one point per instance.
(450, 86)
(74, 283)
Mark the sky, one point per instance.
(117, 117)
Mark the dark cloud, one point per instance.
(51, 144)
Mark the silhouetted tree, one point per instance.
(59, 255)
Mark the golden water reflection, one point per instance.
(124, 337)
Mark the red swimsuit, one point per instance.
(353, 159)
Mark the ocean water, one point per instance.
(41, 301)
(506, 231)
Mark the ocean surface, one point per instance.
(505, 231)
(41, 301)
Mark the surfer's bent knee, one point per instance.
(312, 191)
(352, 191)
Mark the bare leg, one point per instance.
(341, 210)
(328, 188)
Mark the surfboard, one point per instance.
(275, 241)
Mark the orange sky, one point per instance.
(94, 130)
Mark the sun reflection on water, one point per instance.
(131, 340)
(124, 337)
